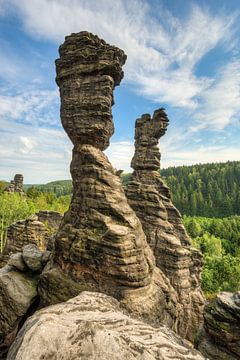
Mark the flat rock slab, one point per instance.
(92, 326)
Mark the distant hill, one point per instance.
(211, 190)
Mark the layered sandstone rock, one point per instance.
(150, 198)
(100, 243)
(38, 229)
(92, 326)
(16, 185)
(220, 338)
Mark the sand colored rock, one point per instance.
(92, 326)
(100, 243)
(16, 185)
(220, 337)
(162, 223)
(38, 229)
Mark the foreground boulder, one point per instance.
(162, 223)
(92, 326)
(220, 338)
(18, 291)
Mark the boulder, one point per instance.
(92, 326)
(17, 292)
(220, 336)
(16, 260)
(32, 257)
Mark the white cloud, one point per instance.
(220, 103)
(161, 55)
(27, 143)
(31, 106)
(120, 154)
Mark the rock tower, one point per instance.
(100, 243)
(16, 185)
(150, 198)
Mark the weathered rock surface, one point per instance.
(220, 338)
(150, 198)
(16, 185)
(100, 243)
(92, 326)
(18, 291)
(38, 229)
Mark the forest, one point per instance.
(207, 195)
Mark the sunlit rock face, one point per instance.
(150, 198)
(100, 244)
(16, 185)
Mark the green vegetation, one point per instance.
(208, 195)
(219, 242)
(210, 190)
(13, 207)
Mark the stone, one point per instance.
(16, 185)
(162, 223)
(100, 243)
(16, 260)
(32, 257)
(220, 336)
(92, 326)
(38, 229)
(18, 291)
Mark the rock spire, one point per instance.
(150, 198)
(100, 243)
(16, 185)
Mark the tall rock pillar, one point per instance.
(162, 223)
(100, 243)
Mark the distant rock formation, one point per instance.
(16, 185)
(150, 198)
(38, 229)
(100, 243)
(92, 326)
(220, 338)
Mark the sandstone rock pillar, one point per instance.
(150, 198)
(100, 243)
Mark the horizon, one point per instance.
(183, 56)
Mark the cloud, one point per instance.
(28, 145)
(220, 103)
(31, 106)
(162, 55)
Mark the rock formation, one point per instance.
(18, 291)
(150, 198)
(16, 185)
(100, 244)
(92, 326)
(37, 229)
(220, 338)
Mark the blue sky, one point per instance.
(183, 55)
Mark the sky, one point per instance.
(182, 55)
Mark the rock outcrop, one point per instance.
(220, 337)
(92, 326)
(162, 223)
(100, 243)
(38, 229)
(16, 185)
(18, 291)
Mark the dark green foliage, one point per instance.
(219, 241)
(61, 187)
(205, 190)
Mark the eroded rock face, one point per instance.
(220, 338)
(100, 243)
(162, 223)
(92, 326)
(38, 229)
(18, 291)
(16, 185)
